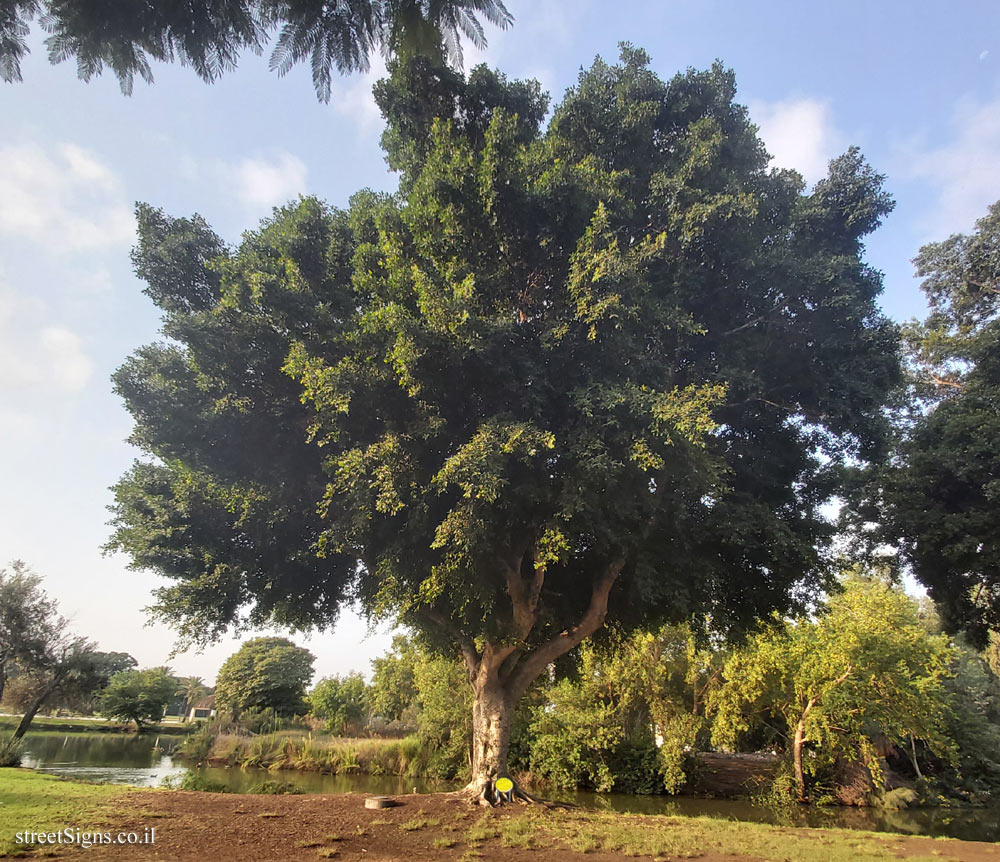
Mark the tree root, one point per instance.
(486, 795)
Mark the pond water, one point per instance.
(146, 761)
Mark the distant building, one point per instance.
(204, 708)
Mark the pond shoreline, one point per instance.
(89, 725)
(147, 761)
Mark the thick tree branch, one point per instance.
(593, 618)
(524, 592)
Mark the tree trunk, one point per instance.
(46, 693)
(913, 754)
(29, 716)
(493, 704)
(800, 778)
(502, 672)
(492, 713)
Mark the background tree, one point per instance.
(69, 662)
(210, 36)
(29, 622)
(973, 725)
(577, 728)
(938, 498)
(138, 695)
(607, 369)
(35, 637)
(394, 686)
(667, 677)
(265, 673)
(342, 702)
(866, 664)
(78, 694)
(444, 714)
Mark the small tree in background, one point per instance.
(35, 638)
(71, 663)
(341, 702)
(138, 695)
(628, 714)
(79, 692)
(394, 689)
(29, 622)
(866, 664)
(444, 714)
(419, 685)
(265, 673)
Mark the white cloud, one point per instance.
(269, 182)
(36, 354)
(87, 168)
(964, 172)
(63, 198)
(352, 97)
(799, 134)
(983, 55)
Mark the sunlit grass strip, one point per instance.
(83, 724)
(332, 755)
(30, 801)
(689, 837)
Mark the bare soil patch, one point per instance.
(437, 827)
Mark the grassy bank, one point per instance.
(42, 803)
(77, 725)
(310, 752)
(693, 837)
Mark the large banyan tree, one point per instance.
(601, 368)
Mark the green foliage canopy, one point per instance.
(265, 673)
(138, 695)
(628, 714)
(938, 499)
(29, 622)
(342, 702)
(865, 665)
(394, 686)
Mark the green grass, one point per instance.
(294, 749)
(73, 725)
(689, 837)
(419, 823)
(30, 801)
(484, 829)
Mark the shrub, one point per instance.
(274, 788)
(194, 781)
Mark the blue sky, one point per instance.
(916, 85)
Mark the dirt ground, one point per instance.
(210, 827)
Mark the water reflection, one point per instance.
(146, 761)
(107, 758)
